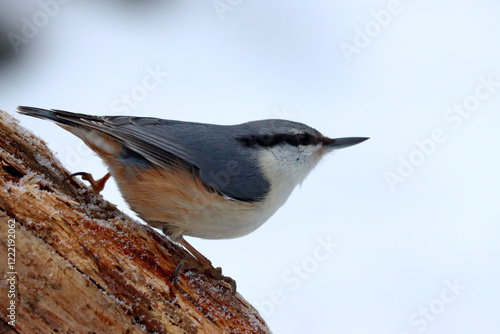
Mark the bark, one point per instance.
(82, 266)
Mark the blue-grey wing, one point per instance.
(212, 150)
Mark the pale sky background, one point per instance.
(418, 254)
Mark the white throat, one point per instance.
(286, 167)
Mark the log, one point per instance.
(83, 266)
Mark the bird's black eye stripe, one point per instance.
(273, 140)
(303, 138)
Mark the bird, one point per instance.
(197, 179)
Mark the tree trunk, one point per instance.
(82, 266)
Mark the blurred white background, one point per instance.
(400, 234)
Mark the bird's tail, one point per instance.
(87, 127)
(60, 117)
(43, 114)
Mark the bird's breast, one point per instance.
(176, 198)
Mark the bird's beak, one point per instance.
(337, 143)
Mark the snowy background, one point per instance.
(400, 234)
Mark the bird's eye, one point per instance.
(303, 139)
(265, 140)
(248, 141)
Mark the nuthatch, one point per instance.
(201, 180)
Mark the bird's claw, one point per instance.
(97, 185)
(208, 269)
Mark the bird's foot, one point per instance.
(97, 185)
(208, 269)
